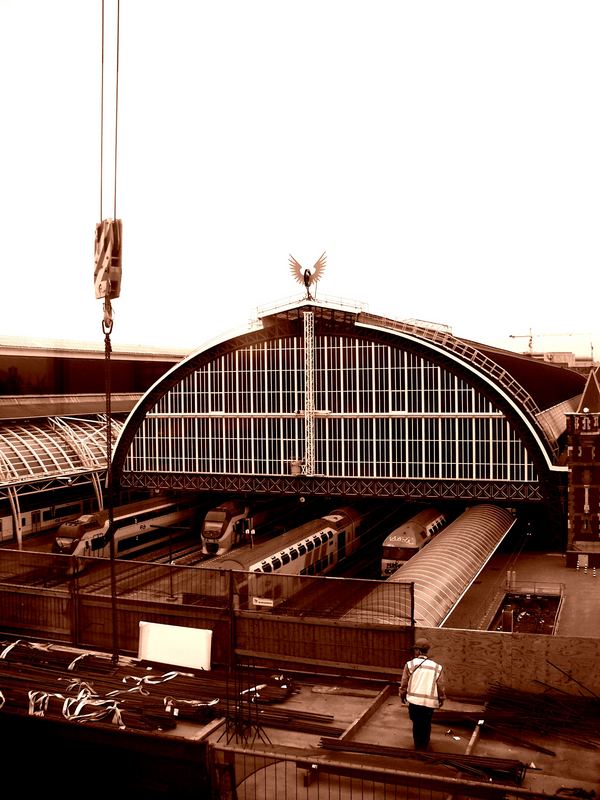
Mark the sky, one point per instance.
(444, 154)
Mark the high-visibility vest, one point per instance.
(422, 682)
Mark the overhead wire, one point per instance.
(101, 108)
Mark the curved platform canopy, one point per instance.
(323, 397)
(57, 446)
(40, 451)
(444, 569)
(441, 572)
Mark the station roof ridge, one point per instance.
(521, 367)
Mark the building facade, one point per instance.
(318, 398)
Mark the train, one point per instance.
(45, 518)
(312, 548)
(137, 527)
(234, 522)
(440, 573)
(407, 539)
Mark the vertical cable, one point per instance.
(101, 110)
(108, 292)
(110, 492)
(116, 108)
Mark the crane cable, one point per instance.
(116, 112)
(107, 280)
(107, 273)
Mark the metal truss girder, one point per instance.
(341, 487)
(50, 483)
(75, 440)
(309, 394)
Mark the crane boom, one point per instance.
(530, 336)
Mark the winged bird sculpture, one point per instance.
(308, 276)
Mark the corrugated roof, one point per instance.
(441, 572)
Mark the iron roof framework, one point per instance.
(55, 448)
(491, 380)
(50, 453)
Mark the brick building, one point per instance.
(583, 459)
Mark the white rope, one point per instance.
(134, 690)
(73, 709)
(167, 676)
(172, 705)
(38, 702)
(7, 650)
(75, 660)
(80, 686)
(32, 645)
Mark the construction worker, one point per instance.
(423, 688)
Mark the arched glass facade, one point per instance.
(380, 411)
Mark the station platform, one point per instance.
(579, 613)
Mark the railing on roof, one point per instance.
(439, 334)
(476, 357)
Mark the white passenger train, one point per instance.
(42, 519)
(137, 527)
(407, 539)
(312, 548)
(234, 522)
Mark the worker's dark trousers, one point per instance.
(421, 722)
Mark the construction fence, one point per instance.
(305, 624)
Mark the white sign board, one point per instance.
(174, 644)
(263, 601)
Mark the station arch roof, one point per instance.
(525, 400)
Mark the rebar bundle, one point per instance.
(516, 715)
(46, 680)
(572, 718)
(477, 767)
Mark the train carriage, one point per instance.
(234, 522)
(313, 548)
(45, 518)
(407, 539)
(137, 527)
